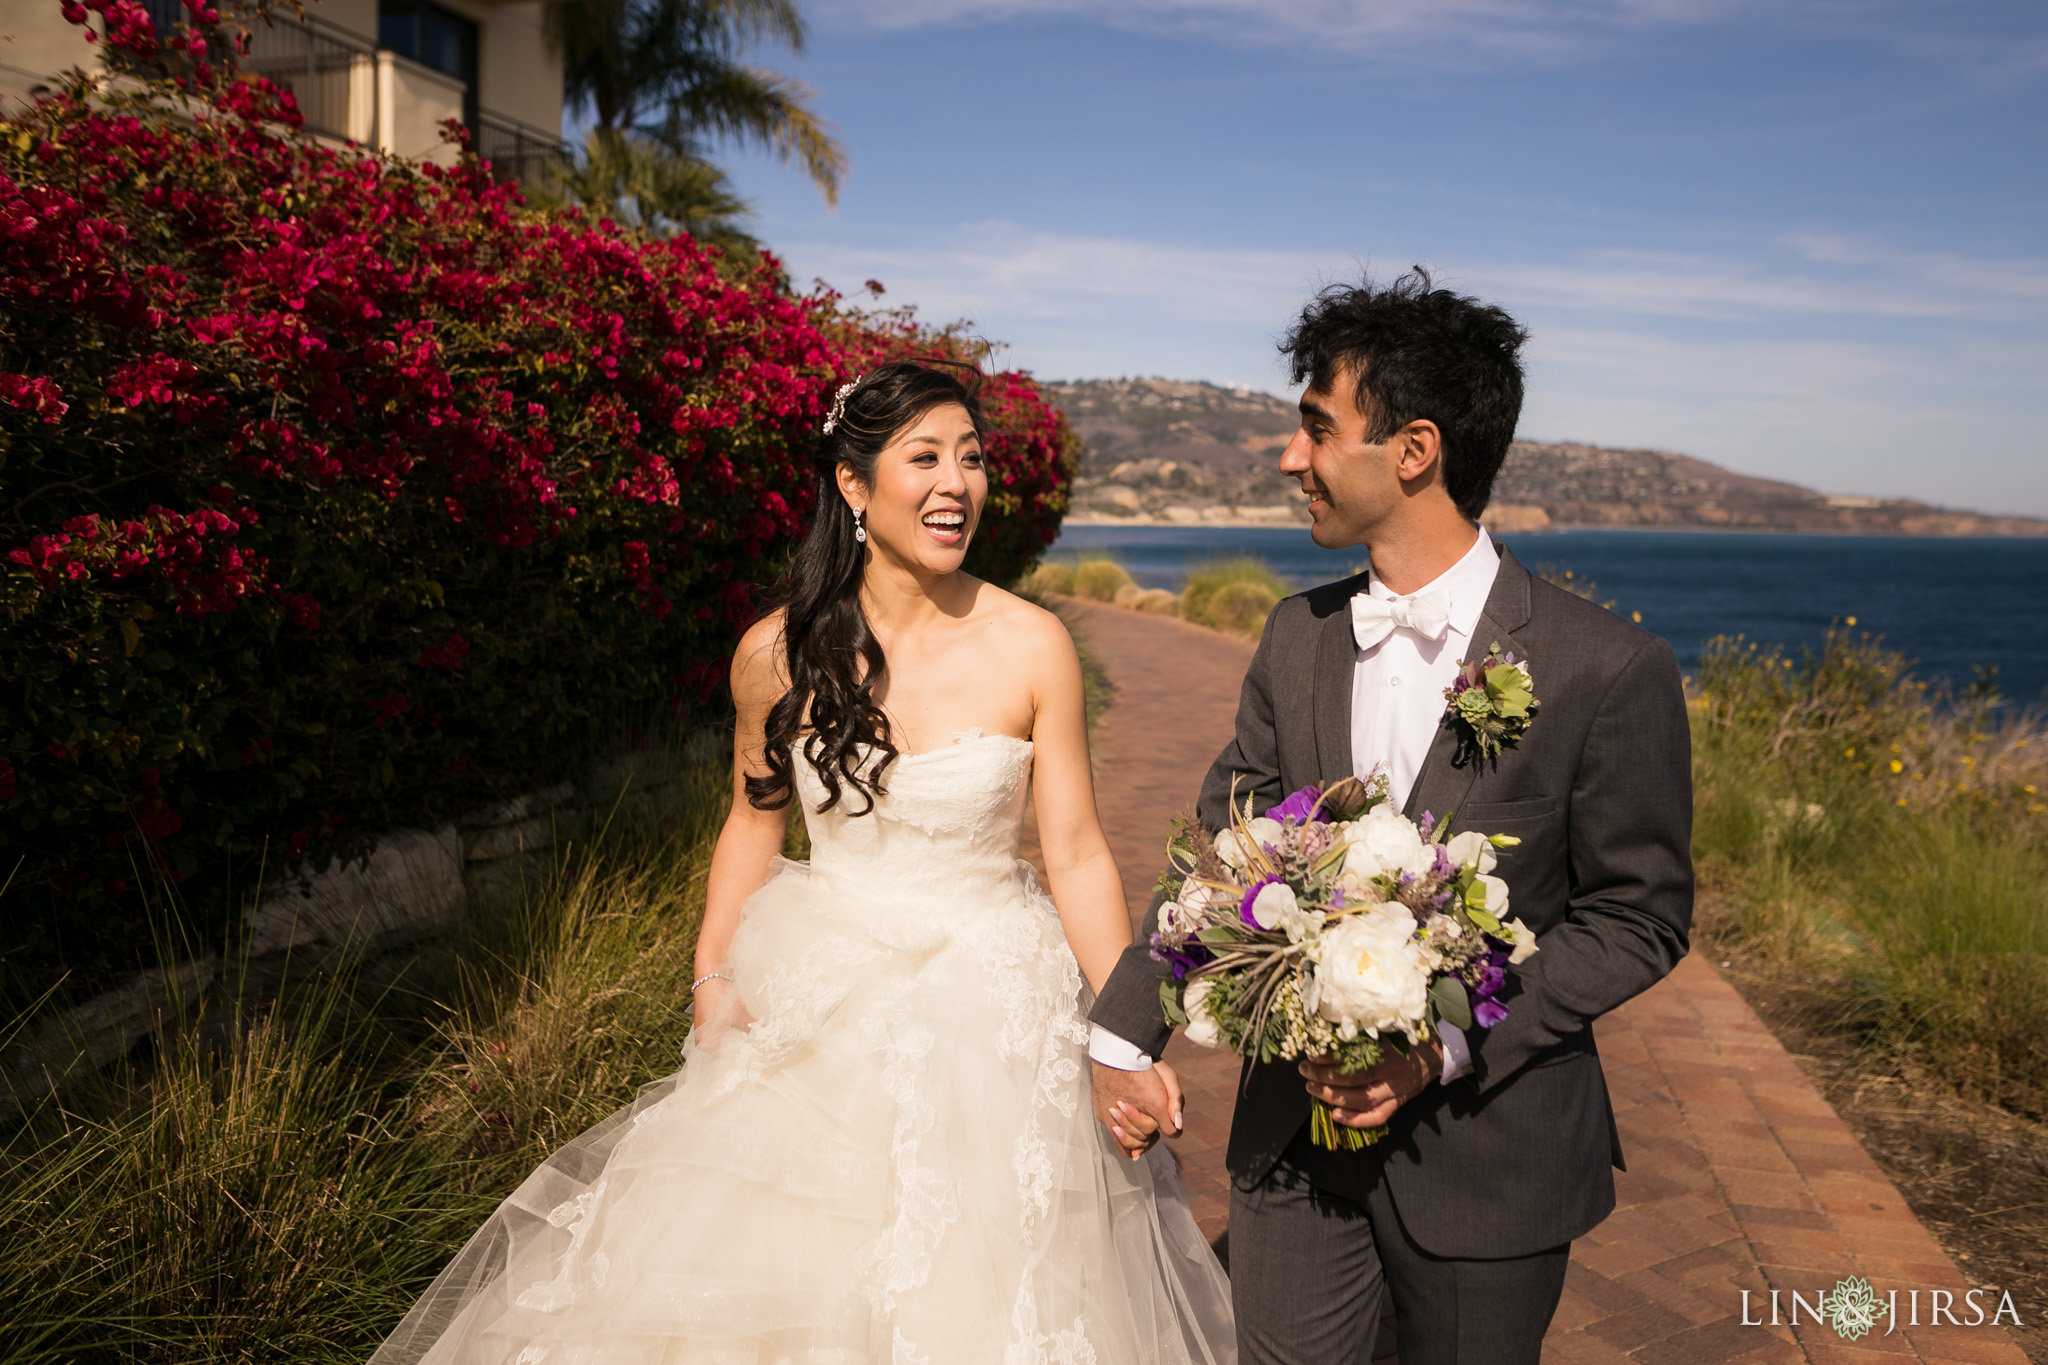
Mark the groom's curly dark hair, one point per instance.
(1414, 352)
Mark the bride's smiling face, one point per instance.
(929, 485)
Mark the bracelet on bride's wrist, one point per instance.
(709, 976)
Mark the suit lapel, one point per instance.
(1444, 786)
(1336, 657)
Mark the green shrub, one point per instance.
(1100, 580)
(1048, 578)
(1232, 595)
(346, 494)
(1242, 608)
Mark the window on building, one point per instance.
(433, 37)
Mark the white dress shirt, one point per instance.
(1397, 701)
(1397, 686)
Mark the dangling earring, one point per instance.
(860, 532)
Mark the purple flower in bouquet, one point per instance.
(1251, 894)
(1299, 807)
(1188, 957)
(1486, 1008)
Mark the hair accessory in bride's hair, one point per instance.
(839, 402)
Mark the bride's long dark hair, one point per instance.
(835, 661)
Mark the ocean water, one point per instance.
(1952, 605)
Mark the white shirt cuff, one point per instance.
(1457, 1052)
(1114, 1051)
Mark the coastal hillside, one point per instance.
(1177, 452)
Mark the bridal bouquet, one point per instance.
(1332, 926)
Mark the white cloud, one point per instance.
(1815, 284)
(991, 270)
(1844, 364)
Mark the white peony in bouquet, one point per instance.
(1332, 926)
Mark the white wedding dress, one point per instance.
(895, 1163)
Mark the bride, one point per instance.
(880, 1147)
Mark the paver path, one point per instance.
(1740, 1175)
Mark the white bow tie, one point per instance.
(1373, 619)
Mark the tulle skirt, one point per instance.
(890, 1157)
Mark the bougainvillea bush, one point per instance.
(344, 493)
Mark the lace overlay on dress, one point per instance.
(894, 1163)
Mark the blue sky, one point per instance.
(1799, 238)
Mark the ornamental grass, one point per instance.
(282, 1185)
(1855, 825)
(1234, 596)
(1100, 579)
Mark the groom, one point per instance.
(1501, 1139)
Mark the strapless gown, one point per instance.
(896, 1162)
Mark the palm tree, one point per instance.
(661, 79)
(643, 184)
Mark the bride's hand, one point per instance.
(718, 1012)
(1138, 1107)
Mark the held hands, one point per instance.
(1367, 1099)
(1137, 1107)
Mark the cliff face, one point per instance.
(1173, 452)
(1176, 453)
(1582, 485)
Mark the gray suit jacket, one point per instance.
(1515, 1157)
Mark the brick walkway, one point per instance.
(1741, 1176)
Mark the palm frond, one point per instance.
(754, 104)
(646, 185)
(670, 71)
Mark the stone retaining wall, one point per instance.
(414, 886)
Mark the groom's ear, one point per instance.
(1418, 450)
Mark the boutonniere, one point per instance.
(1491, 702)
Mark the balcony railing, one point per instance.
(351, 90)
(332, 74)
(517, 151)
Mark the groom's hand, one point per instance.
(1367, 1099)
(1138, 1107)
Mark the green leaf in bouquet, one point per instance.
(1485, 921)
(1170, 993)
(1508, 688)
(1453, 1005)
(1218, 933)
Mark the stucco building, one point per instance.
(383, 73)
